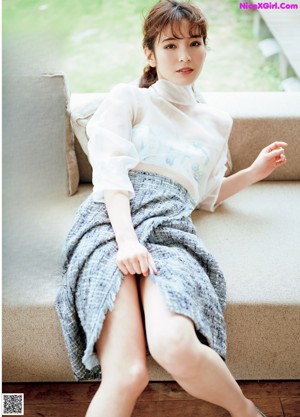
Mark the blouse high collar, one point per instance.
(179, 94)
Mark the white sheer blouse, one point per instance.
(160, 129)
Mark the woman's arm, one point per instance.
(269, 159)
(112, 153)
(133, 257)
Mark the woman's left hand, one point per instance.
(270, 158)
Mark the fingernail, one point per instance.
(154, 270)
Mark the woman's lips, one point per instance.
(185, 71)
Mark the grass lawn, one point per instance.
(98, 43)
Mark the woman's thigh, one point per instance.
(166, 331)
(122, 340)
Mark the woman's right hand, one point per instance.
(134, 258)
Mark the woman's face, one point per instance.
(179, 60)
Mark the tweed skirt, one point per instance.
(189, 278)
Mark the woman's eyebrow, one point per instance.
(176, 39)
(171, 39)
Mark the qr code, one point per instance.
(13, 404)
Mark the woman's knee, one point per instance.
(137, 378)
(131, 379)
(176, 347)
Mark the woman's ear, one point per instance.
(150, 57)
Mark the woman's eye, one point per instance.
(170, 46)
(196, 43)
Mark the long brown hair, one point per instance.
(162, 14)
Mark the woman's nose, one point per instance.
(184, 56)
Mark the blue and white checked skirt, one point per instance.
(189, 277)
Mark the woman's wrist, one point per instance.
(118, 208)
(253, 174)
(123, 238)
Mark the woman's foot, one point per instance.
(250, 411)
(260, 413)
(255, 410)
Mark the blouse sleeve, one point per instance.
(215, 179)
(111, 151)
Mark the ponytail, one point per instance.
(149, 77)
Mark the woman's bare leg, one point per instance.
(197, 368)
(122, 354)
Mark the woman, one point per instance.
(136, 276)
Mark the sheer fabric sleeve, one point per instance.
(111, 151)
(215, 179)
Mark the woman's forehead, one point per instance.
(181, 29)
